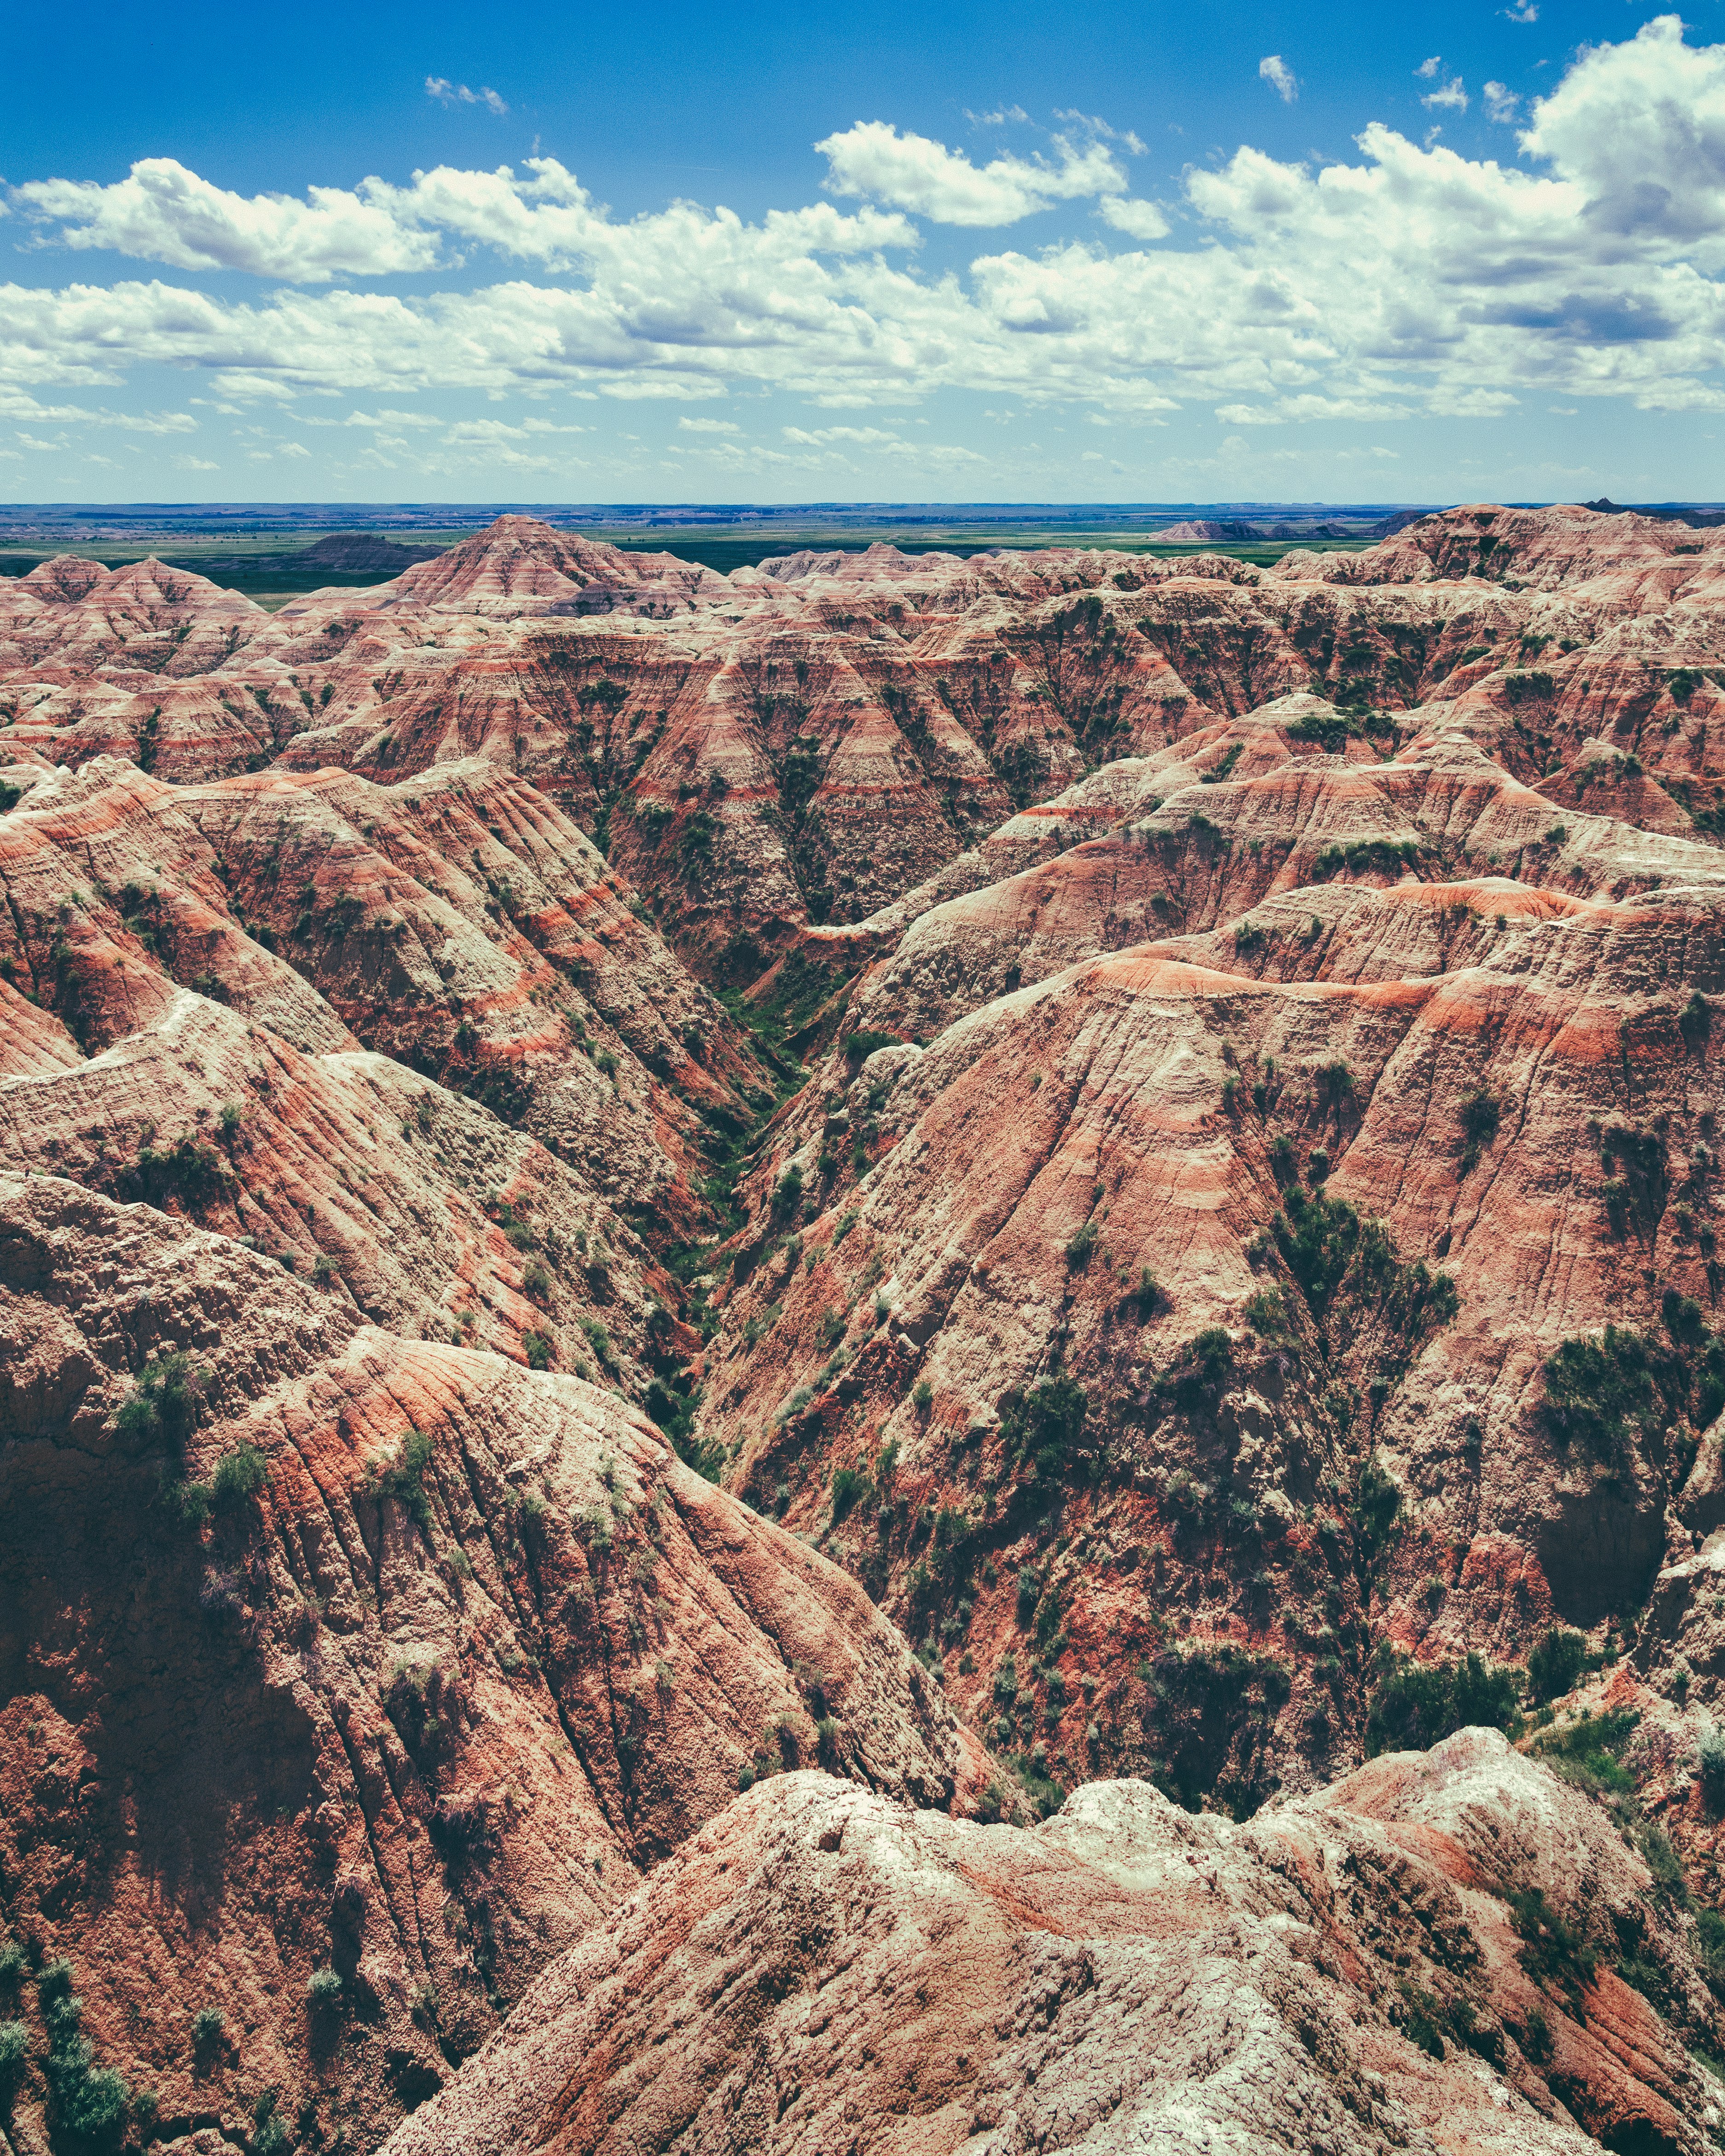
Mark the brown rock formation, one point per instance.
(335, 1651)
(1161, 1116)
(819, 1970)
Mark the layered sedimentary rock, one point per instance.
(820, 1970)
(808, 741)
(1160, 1119)
(347, 1678)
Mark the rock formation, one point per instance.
(349, 1677)
(1378, 1968)
(1046, 1179)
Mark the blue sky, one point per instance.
(1148, 253)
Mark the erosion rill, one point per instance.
(896, 1352)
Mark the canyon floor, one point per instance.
(896, 1353)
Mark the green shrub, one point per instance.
(787, 1194)
(1047, 1423)
(1555, 1664)
(1600, 1393)
(1045, 1793)
(1481, 1116)
(323, 1989)
(1377, 1507)
(1079, 1248)
(922, 1396)
(859, 1046)
(164, 1401)
(1552, 1954)
(240, 1475)
(206, 2026)
(536, 1280)
(90, 2103)
(851, 1487)
(538, 1347)
(1695, 1021)
(14, 2050)
(1325, 728)
(1709, 1763)
(271, 2135)
(1585, 1752)
(1417, 1705)
(404, 1481)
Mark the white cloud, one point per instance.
(195, 464)
(1401, 280)
(457, 93)
(1429, 68)
(708, 426)
(1143, 220)
(1522, 11)
(16, 404)
(1448, 97)
(1000, 117)
(870, 438)
(295, 449)
(1280, 76)
(1501, 104)
(389, 419)
(163, 213)
(910, 172)
(1640, 128)
(878, 442)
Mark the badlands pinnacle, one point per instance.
(897, 1354)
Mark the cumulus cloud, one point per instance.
(1280, 76)
(163, 213)
(1501, 104)
(1143, 220)
(457, 93)
(1640, 128)
(1448, 97)
(709, 427)
(1401, 279)
(911, 173)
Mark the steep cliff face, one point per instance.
(459, 925)
(326, 1650)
